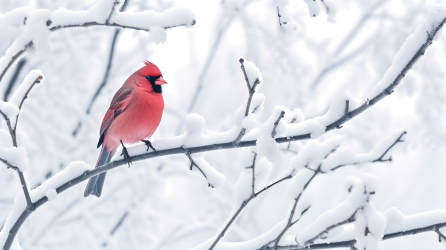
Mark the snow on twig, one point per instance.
(168, 149)
(253, 71)
(101, 14)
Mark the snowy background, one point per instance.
(159, 203)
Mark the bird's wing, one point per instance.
(119, 103)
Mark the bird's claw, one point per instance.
(149, 145)
(126, 155)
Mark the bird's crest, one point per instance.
(150, 69)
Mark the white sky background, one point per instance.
(170, 207)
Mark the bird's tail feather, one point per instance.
(96, 183)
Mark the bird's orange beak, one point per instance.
(160, 81)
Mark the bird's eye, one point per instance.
(148, 78)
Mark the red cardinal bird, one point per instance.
(134, 114)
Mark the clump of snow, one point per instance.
(51, 194)
(214, 178)
(16, 16)
(317, 126)
(312, 126)
(10, 110)
(296, 116)
(101, 10)
(256, 103)
(314, 153)
(243, 187)
(158, 34)
(313, 7)
(413, 43)
(73, 170)
(18, 45)
(40, 34)
(15, 156)
(266, 144)
(285, 22)
(246, 157)
(5, 139)
(148, 19)
(194, 130)
(357, 201)
(348, 155)
(20, 92)
(252, 72)
(262, 170)
(298, 182)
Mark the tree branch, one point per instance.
(23, 100)
(380, 158)
(290, 218)
(253, 196)
(389, 90)
(391, 146)
(252, 91)
(192, 163)
(29, 204)
(349, 220)
(282, 114)
(350, 243)
(179, 150)
(11, 130)
(86, 24)
(14, 58)
(253, 173)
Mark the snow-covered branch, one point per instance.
(40, 23)
(14, 157)
(251, 91)
(430, 221)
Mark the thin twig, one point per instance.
(350, 243)
(86, 24)
(376, 160)
(440, 235)
(14, 58)
(107, 70)
(385, 152)
(180, 150)
(289, 224)
(23, 100)
(8, 165)
(282, 114)
(11, 130)
(192, 163)
(253, 173)
(253, 196)
(278, 14)
(290, 218)
(111, 12)
(252, 91)
(349, 220)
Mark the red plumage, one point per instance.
(134, 114)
